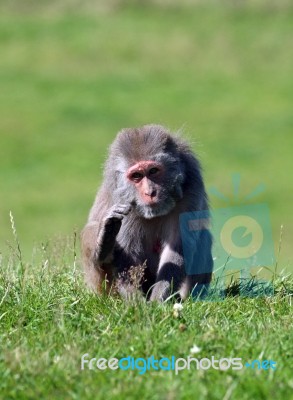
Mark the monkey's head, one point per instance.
(147, 169)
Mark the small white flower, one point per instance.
(178, 307)
(56, 359)
(195, 349)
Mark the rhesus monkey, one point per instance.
(151, 177)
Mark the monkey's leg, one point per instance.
(98, 279)
(170, 275)
(199, 268)
(94, 274)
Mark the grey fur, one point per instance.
(121, 230)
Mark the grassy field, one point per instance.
(71, 76)
(48, 321)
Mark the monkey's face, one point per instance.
(156, 190)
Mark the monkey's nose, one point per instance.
(151, 194)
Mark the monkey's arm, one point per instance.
(98, 240)
(107, 236)
(99, 237)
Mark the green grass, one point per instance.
(49, 320)
(71, 76)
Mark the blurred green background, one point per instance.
(74, 73)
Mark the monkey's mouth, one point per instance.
(150, 203)
(155, 209)
(153, 203)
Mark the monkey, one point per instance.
(151, 178)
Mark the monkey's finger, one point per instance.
(114, 217)
(123, 209)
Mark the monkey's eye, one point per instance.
(136, 176)
(153, 171)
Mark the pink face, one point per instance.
(146, 176)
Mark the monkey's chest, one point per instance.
(157, 246)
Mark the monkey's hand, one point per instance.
(110, 229)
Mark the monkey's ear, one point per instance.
(170, 146)
(192, 170)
